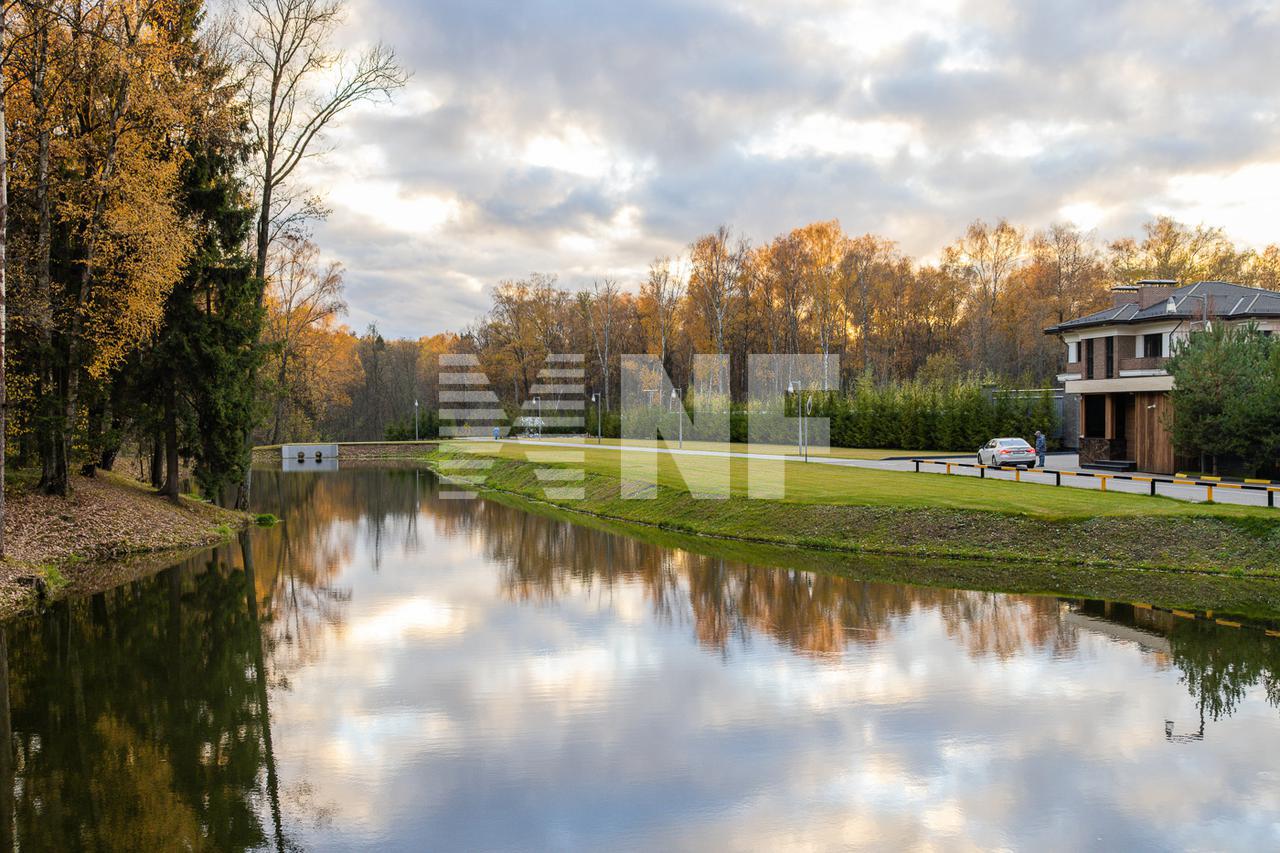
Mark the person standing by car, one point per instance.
(1041, 447)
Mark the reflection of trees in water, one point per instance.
(729, 602)
(140, 717)
(1220, 665)
(327, 520)
(825, 614)
(296, 562)
(816, 613)
(137, 716)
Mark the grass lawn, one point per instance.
(1246, 597)
(872, 511)
(848, 486)
(742, 447)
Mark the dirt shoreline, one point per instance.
(110, 530)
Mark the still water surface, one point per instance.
(388, 670)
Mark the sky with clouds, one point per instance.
(586, 138)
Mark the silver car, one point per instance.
(1007, 451)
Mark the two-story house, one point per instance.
(1116, 363)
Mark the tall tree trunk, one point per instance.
(280, 398)
(260, 685)
(47, 376)
(60, 482)
(6, 747)
(4, 322)
(157, 459)
(112, 422)
(96, 434)
(171, 444)
(260, 270)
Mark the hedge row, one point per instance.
(912, 416)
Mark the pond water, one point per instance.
(389, 669)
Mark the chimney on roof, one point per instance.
(1152, 291)
(1124, 294)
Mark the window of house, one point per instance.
(1153, 346)
(1073, 352)
(1088, 359)
(1111, 358)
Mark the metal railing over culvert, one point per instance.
(1208, 483)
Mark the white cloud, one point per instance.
(1244, 201)
(831, 135)
(387, 205)
(1086, 215)
(1021, 140)
(586, 141)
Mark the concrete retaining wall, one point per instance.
(356, 451)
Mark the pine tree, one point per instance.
(209, 338)
(1219, 399)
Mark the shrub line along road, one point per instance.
(1043, 476)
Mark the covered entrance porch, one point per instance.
(1125, 430)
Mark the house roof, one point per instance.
(1226, 301)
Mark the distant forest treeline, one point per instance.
(975, 316)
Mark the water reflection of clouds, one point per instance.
(596, 714)
(402, 621)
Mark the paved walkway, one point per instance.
(1057, 462)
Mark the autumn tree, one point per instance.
(103, 91)
(660, 296)
(1264, 269)
(301, 293)
(298, 86)
(893, 321)
(863, 262)
(1064, 276)
(715, 267)
(4, 235)
(600, 310)
(986, 256)
(1178, 252)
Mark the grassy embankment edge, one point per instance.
(76, 563)
(1240, 574)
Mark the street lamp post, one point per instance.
(794, 388)
(415, 419)
(595, 399)
(807, 417)
(538, 402)
(675, 402)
